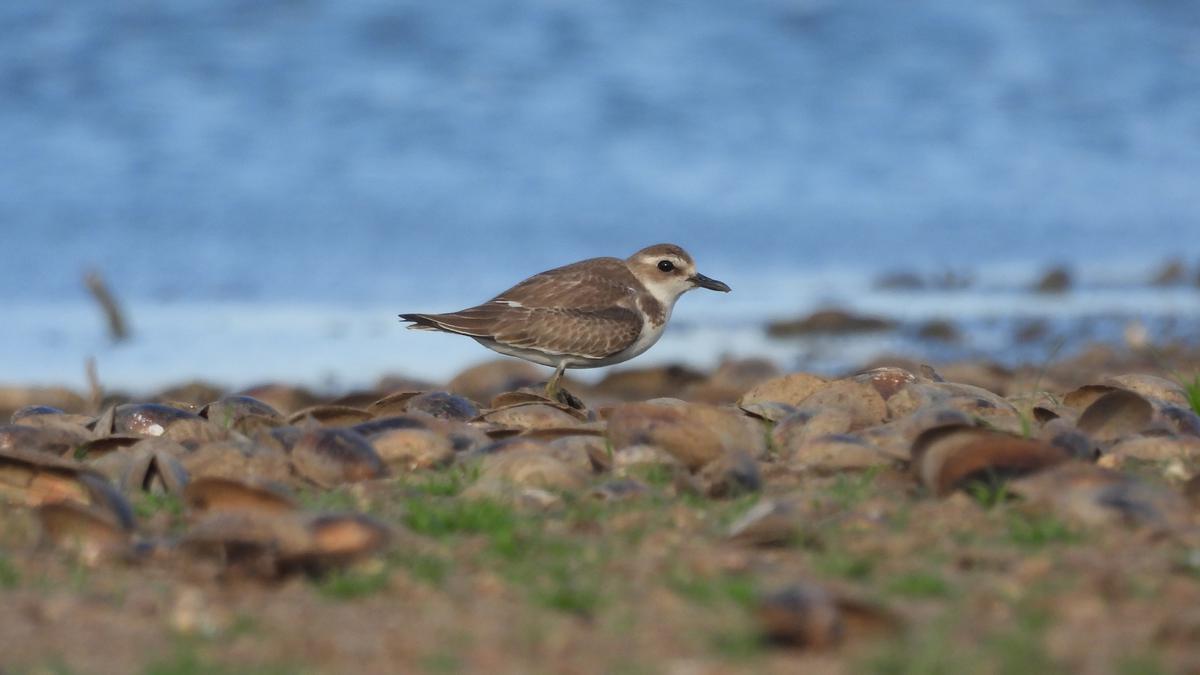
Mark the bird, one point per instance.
(587, 314)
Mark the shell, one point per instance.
(210, 495)
(244, 414)
(1095, 496)
(947, 458)
(769, 523)
(147, 419)
(887, 381)
(837, 452)
(57, 440)
(790, 389)
(343, 538)
(444, 405)
(808, 616)
(534, 416)
(330, 416)
(695, 434)
(533, 466)
(89, 532)
(808, 424)
(1116, 414)
(329, 457)
(732, 475)
(239, 460)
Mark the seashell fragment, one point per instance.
(769, 523)
(1094, 496)
(329, 457)
(330, 416)
(1116, 414)
(695, 434)
(90, 532)
(444, 405)
(948, 458)
(210, 495)
(147, 419)
(790, 389)
(808, 616)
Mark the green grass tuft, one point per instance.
(351, 585)
(1038, 531)
(919, 585)
(9, 576)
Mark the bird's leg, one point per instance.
(552, 385)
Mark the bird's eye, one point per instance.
(666, 265)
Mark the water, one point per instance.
(266, 184)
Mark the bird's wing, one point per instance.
(586, 309)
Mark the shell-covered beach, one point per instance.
(896, 518)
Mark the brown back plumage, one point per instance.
(585, 309)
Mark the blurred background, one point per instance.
(265, 184)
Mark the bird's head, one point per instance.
(668, 272)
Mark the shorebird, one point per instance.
(588, 314)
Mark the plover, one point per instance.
(588, 314)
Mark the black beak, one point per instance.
(711, 284)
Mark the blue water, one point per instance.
(267, 183)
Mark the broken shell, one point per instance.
(328, 457)
(802, 615)
(619, 489)
(887, 380)
(1152, 387)
(1116, 414)
(863, 402)
(34, 411)
(412, 449)
(245, 414)
(1156, 448)
(147, 419)
(1094, 496)
(769, 523)
(1086, 395)
(770, 411)
(209, 495)
(808, 424)
(56, 441)
(342, 538)
(395, 404)
(534, 416)
(444, 405)
(837, 452)
(695, 433)
(238, 460)
(533, 467)
(330, 416)
(248, 541)
(731, 475)
(947, 458)
(790, 389)
(808, 616)
(87, 531)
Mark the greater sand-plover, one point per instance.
(588, 314)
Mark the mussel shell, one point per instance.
(87, 531)
(444, 405)
(330, 415)
(946, 458)
(790, 389)
(1116, 414)
(213, 494)
(331, 456)
(147, 419)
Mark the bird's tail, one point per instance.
(421, 322)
